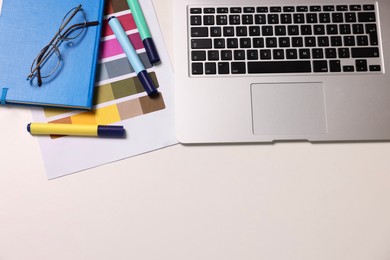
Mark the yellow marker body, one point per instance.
(63, 129)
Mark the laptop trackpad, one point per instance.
(288, 109)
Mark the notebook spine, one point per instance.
(3, 98)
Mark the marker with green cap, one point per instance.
(144, 32)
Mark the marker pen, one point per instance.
(76, 129)
(144, 32)
(132, 56)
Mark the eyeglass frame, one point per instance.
(52, 46)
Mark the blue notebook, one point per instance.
(26, 27)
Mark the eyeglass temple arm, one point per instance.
(46, 54)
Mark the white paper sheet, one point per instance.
(147, 132)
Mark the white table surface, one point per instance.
(284, 201)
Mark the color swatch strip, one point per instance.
(115, 113)
(115, 6)
(120, 89)
(109, 92)
(119, 67)
(112, 47)
(126, 20)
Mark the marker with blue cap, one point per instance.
(144, 32)
(132, 56)
(76, 129)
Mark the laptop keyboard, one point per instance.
(309, 39)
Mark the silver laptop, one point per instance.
(264, 71)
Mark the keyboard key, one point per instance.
(311, 18)
(276, 9)
(265, 54)
(241, 31)
(369, 52)
(350, 17)
(317, 53)
(208, 20)
(271, 42)
(279, 67)
(293, 30)
(355, 8)
(320, 66)
(325, 18)
(239, 55)
(245, 43)
(254, 30)
(249, 10)
(195, 10)
(335, 66)
(238, 67)
(337, 17)
(197, 68)
(209, 10)
(348, 68)
(219, 43)
(288, 9)
(273, 18)
(226, 55)
(215, 31)
(262, 9)
(375, 67)
(285, 18)
(361, 65)
(331, 53)
(247, 19)
(329, 8)
(235, 9)
(349, 41)
(252, 54)
(299, 18)
(368, 7)
(342, 8)
(232, 43)
(367, 17)
(316, 8)
(260, 19)
(278, 54)
(222, 20)
(234, 19)
(345, 29)
(210, 68)
(344, 53)
(198, 55)
(228, 31)
(310, 42)
(199, 32)
(280, 30)
(304, 54)
(201, 44)
(372, 32)
(196, 20)
(291, 54)
(258, 42)
(362, 40)
(222, 10)
(267, 30)
(223, 68)
(213, 55)
(302, 8)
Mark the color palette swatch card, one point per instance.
(119, 100)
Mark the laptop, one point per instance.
(267, 71)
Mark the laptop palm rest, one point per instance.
(288, 109)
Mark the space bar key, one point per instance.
(279, 67)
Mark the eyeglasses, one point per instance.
(48, 60)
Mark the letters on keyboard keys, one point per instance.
(325, 39)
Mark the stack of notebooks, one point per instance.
(26, 27)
